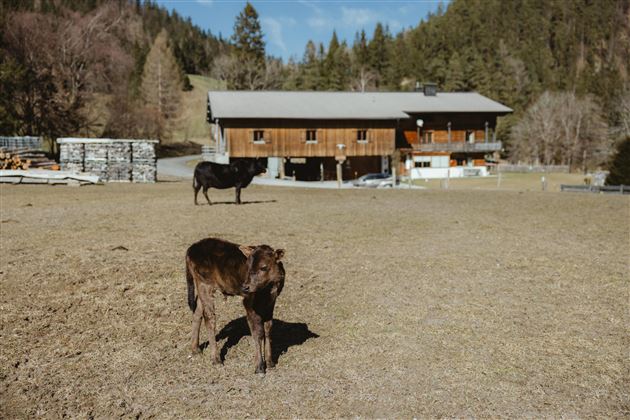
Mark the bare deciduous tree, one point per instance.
(248, 71)
(364, 81)
(161, 86)
(563, 129)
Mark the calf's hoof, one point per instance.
(271, 365)
(260, 369)
(217, 361)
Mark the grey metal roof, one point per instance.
(344, 105)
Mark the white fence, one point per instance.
(24, 142)
(532, 168)
(451, 172)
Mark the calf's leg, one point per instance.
(258, 336)
(196, 325)
(268, 353)
(207, 301)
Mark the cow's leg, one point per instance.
(258, 335)
(268, 353)
(207, 301)
(205, 193)
(196, 188)
(238, 195)
(196, 325)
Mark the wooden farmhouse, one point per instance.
(306, 134)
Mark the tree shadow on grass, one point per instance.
(283, 336)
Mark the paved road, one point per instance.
(176, 167)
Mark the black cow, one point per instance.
(237, 174)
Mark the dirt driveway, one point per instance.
(397, 304)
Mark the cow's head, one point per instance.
(258, 167)
(264, 267)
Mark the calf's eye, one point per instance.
(264, 268)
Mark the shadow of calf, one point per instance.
(283, 336)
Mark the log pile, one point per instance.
(10, 161)
(25, 158)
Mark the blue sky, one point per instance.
(288, 25)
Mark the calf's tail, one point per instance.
(192, 301)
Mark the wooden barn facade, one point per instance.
(307, 134)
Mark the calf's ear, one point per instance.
(246, 250)
(279, 253)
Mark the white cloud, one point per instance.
(273, 27)
(205, 2)
(319, 20)
(358, 17)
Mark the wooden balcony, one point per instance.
(459, 147)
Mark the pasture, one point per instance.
(421, 303)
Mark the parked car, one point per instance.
(372, 180)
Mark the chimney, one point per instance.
(430, 89)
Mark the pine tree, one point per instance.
(161, 85)
(620, 165)
(248, 37)
(378, 49)
(249, 51)
(310, 68)
(455, 74)
(337, 65)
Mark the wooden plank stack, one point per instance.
(71, 157)
(113, 160)
(143, 157)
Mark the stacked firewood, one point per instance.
(25, 158)
(12, 161)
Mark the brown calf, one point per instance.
(253, 272)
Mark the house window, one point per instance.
(427, 137)
(311, 136)
(362, 136)
(258, 136)
(423, 164)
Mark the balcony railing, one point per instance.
(459, 147)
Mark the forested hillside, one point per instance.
(57, 56)
(97, 67)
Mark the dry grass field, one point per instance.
(421, 303)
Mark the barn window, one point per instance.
(362, 136)
(258, 136)
(311, 136)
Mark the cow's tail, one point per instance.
(192, 300)
(195, 184)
